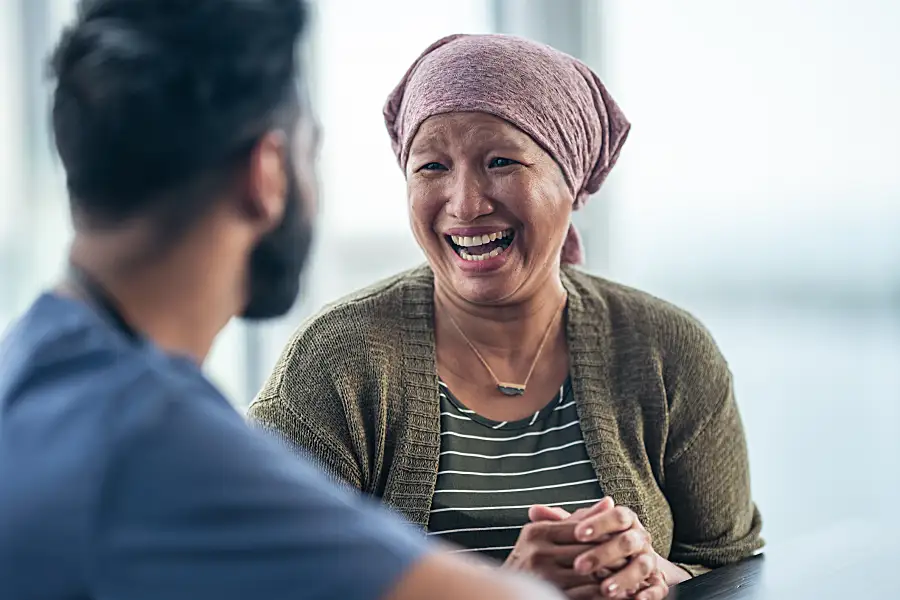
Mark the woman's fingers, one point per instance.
(539, 512)
(627, 581)
(617, 561)
(656, 589)
(602, 523)
(583, 513)
(613, 552)
(546, 546)
(565, 555)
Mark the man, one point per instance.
(123, 472)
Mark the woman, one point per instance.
(499, 397)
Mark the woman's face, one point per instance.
(488, 206)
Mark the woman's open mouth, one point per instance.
(481, 247)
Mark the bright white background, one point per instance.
(760, 189)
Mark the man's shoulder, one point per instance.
(59, 349)
(62, 347)
(77, 390)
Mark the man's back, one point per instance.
(126, 474)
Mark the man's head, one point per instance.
(173, 113)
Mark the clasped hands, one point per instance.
(597, 552)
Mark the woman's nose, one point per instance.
(468, 200)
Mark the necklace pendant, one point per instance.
(511, 389)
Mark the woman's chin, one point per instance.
(484, 290)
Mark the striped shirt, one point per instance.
(491, 472)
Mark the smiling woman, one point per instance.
(471, 175)
(498, 397)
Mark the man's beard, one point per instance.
(278, 259)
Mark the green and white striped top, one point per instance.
(491, 472)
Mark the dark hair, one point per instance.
(153, 94)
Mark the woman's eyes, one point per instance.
(495, 163)
(500, 162)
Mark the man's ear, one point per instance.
(267, 180)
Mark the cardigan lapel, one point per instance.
(588, 333)
(413, 476)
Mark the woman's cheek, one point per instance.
(423, 211)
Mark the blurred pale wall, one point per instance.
(760, 189)
(770, 128)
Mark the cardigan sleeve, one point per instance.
(277, 416)
(300, 403)
(706, 468)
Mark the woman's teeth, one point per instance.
(482, 247)
(476, 257)
(480, 240)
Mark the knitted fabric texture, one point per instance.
(357, 390)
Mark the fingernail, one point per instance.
(612, 589)
(587, 533)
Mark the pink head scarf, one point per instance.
(553, 97)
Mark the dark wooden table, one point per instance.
(737, 582)
(845, 561)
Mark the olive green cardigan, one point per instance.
(357, 389)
